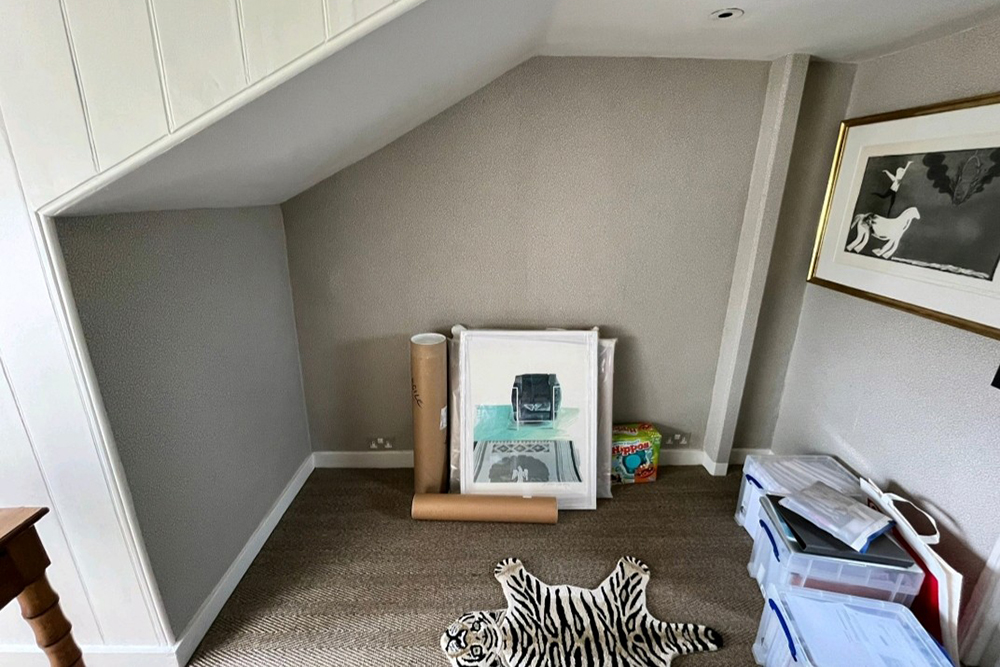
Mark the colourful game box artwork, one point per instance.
(635, 452)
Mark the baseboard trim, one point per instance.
(179, 653)
(403, 459)
(683, 457)
(736, 458)
(370, 459)
(713, 467)
(96, 655)
(210, 609)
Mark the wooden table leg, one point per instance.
(22, 574)
(40, 607)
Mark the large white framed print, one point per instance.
(912, 213)
(529, 421)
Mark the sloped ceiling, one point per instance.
(411, 69)
(338, 111)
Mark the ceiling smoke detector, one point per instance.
(727, 14)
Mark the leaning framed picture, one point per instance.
(912, 213)
(529, 423)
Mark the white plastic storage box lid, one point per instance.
(818, 628)
(787, 474)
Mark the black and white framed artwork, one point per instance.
(912, 214)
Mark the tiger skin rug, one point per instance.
(563, 625)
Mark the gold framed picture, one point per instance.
(911, 217)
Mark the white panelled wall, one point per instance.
(54, 453)
(24, 485)
(41, 105)
(80, 105)
(274, 34)
(90, 90)
(118, 75)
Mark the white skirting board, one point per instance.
(736, 458)
(96, 655)
(209, 610)
(180, 652)
(401, 459)
(681, 457)
(364, 459)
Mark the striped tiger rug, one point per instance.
(563, 625)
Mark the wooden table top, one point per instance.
(15, 520)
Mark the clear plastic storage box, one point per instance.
(777, 560)
(787, 474)
(802, 627)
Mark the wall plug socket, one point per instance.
(380, 443)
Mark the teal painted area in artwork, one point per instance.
(496, 423)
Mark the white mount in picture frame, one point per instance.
(841, 258)
(490, 363)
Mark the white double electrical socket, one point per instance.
(380, 443)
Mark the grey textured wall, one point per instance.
(901, 398)
(824, 103)
(188, 320)
(568, 192)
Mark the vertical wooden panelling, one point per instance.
(24, 485)
(365, 8)
(117, 63)
(275, 33)
(41, 358)
(40, 100)
(339, 16)
(202, 54)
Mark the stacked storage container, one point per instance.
(823, 610)
(803, 627)
(776, 560)
(787, 474)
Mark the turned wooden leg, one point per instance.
(40, 607)
(22, 575)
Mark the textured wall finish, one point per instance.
(753, 256)
(901, 398)
(189, 323)
(824, 103)
(568, 192)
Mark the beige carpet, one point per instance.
(348, 579)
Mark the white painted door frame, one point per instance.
(53, 387)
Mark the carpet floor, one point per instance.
(348, 579)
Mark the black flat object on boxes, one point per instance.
(813, 540)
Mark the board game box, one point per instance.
(635, 452)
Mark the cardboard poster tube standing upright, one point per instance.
(429, 376)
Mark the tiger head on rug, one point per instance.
(474, 640)
(563, 625)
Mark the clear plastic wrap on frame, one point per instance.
(606, 365)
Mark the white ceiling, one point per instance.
(411, 69)
(831, 29)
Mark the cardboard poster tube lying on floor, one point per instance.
(429, 376)
(484, 508)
